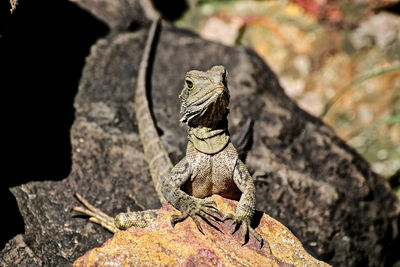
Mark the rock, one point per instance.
(117, 14)
(161, 245)
(18, 253)
(307, 178)
(381, 29)
(351, 12)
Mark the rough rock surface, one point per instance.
(161, 245)
(307, 178)
(117, 14)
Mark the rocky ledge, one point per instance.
(162, 245)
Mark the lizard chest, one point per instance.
(212, 174)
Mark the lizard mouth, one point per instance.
(206, 109)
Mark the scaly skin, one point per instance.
(156, 156)
(211, 165)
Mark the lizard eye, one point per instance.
(189, 84)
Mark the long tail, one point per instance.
(157, 157)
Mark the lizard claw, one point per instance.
(210, 203)
(178, 218)
(96, 215)
(198, 207)
(247, 229)
(229, 216)
(196, 221)
(212, 207)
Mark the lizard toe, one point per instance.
(256, 236)
(245, 230)
(196, 221)
(209, 217)
(178, 218)
(95, 214)
(228, 216)
(209, 203)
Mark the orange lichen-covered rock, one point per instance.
(184, 245)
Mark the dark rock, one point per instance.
(117, 14)
(16, 252)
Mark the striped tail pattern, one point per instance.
(156, 156)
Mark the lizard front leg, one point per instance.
(247, 203)
(188, 206)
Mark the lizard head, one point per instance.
(205, 97)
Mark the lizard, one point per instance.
(211, 165)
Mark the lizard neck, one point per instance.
(209, 140)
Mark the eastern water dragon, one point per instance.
(211, 165)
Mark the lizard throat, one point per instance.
(208, 140)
